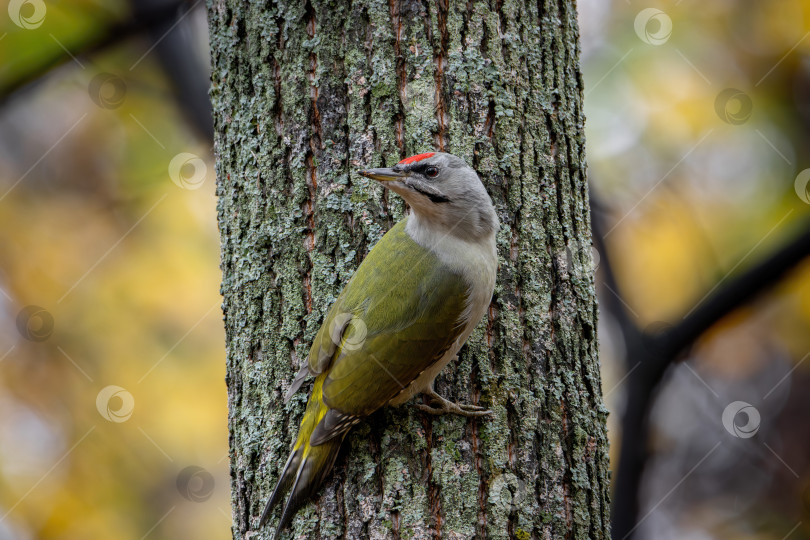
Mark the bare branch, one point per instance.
(649, 355)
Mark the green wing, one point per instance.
(400, 312)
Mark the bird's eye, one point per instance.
(432, 172)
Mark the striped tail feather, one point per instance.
(308, 464)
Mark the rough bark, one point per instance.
(306, 92)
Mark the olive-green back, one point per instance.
(406, 311)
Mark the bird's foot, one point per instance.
(440, 405)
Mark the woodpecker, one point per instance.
(400, 320)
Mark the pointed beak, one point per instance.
(382, 175)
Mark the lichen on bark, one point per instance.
(304, 94)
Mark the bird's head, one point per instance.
(444, 192)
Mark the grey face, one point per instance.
(424, 178)
(443, 190)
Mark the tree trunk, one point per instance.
(304, 94)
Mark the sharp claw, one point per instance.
(475, 414)
(469, 407)
(446, 407)
(428, 409)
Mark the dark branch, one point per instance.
(611, 301)
(650, 355)
(739, 291)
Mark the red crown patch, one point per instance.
(417, 157)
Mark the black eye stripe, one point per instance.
(432, 196)
(419, 167)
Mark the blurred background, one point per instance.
(113, 410)
(698, 116)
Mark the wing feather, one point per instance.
(401, 311)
